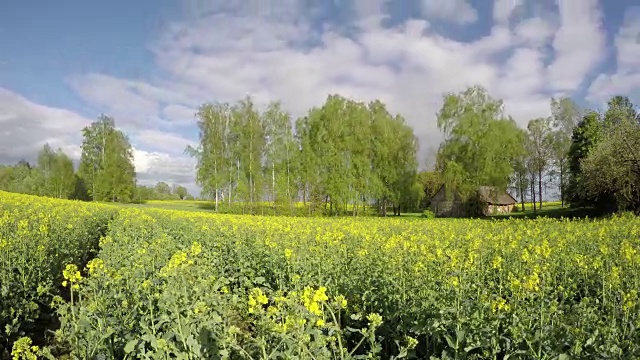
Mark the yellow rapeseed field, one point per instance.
(172, 284)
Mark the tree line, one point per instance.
(344, 157)
(105, 173)
(351, 157)
(590, 157)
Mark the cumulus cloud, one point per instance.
(456, 11)
(503, 10)
(159, 140)
(26, 126)
(626, 79)
(579, 45)
(152, 167)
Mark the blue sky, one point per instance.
(150, 65)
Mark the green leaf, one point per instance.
(131, 346)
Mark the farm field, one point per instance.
(91, 281)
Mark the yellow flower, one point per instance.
(375, 320)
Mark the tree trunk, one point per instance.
(522, 190)
(273, 182)
(355, 204)
(533, 194)
(561, 185)
(540, 188)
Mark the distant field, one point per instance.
(550, 209)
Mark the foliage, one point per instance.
(38, 237)
(602, 158)
(428, 214)
(56, 172)
(540, 149)
(337, 159)
(585, 137)
(52, 176)
(565, 117)
(613, 166)
(480, 142)
(106, 165)
(195, 285)
(192, 284)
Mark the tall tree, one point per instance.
(430, 181)
(214, 166)
(620, 109)
(250, 149)
(106, 165)
(565, 116)
(609, 167)
(383, 146)
(279, 151)
(541, 147)
(480, 142)
(585, 137)
(180, 191)
(162, 190)
(56, 173)
(520, 177)
(613, 166)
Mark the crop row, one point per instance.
(38, 238)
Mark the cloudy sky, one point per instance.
(62, 63)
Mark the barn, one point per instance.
(493, 201)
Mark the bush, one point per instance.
(428, 214)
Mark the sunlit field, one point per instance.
(118, 282)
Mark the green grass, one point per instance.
(181, 205)
(551, 210)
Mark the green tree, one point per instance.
(20, 178)
(280, 148)
(180, 191)
(56, 173)
(430, 182)
(106, 165)
(620, 109)
(249, 150)
(565, 116)
(613, 166)
(162, 191)
(541, 143)
(480, 142)
(585, 137)
(214, 162)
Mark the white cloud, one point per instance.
(456, 11)
(579, 45)
(626, 79)
(27, 126)
(503, 9)
(535, 32)
(160, 140)
(152, 167)
(179, 115)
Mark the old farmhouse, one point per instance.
(493, 201)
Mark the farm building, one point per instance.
(492, 200)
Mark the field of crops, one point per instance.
(189, 285)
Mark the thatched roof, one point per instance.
(494, 196)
